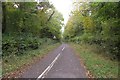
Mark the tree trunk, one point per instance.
(3, 17)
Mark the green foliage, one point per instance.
(28, 31)
(27, 25)
(95, 23)
(17, 45)
(33, 18)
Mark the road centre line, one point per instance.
(63, 48)
(48, 68)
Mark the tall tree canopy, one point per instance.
(40, 19)
(95, 23)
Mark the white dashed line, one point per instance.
(63, 48)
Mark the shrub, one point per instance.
(17, 45)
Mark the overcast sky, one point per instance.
(63, 6)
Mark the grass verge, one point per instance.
(96, 63)
(15, 63)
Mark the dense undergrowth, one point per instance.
(110, 48)
(18, 44)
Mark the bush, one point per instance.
(17, 45)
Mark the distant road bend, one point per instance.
(60, 63)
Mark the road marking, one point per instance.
(63, 48)
(48, 68)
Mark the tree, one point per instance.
(99, 24)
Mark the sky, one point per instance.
(64, 7)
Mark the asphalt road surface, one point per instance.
(60, 63)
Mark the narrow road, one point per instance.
(60, 63)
